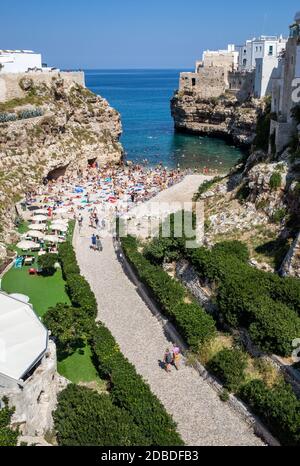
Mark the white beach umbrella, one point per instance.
(37, 226)
(41, 212)
(39, 218)
(25, 245)
(51, 238)
(59, 227)
(35, 234)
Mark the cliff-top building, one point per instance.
(284, 92)
(20, 61)
(245, 70)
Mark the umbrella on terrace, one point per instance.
(35, 234)
(26, 245)
(40, 218)
(37, 226)
(51, 238)
(41, 212)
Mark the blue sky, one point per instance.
(136, 33)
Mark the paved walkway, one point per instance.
(201, 417)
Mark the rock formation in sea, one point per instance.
(57, 126)
(223, 116)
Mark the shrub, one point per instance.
(274, 325)
(206, 186)
(278, 407)
(192, 321)
(161, 249)
(263, 129)
(229, 365)
(275, 181)
(194, 324)
(47, 263)
(69, 325)
(129, 391)
(68, 259)
(233, 248)
(86, 418)
(279, 215)
(81, 295)
(8, 437)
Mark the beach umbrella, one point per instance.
(25, 245)
(37, 227)
(40, 218)
(35, 234)
(62, 228)
(51, 238)
(41, 212)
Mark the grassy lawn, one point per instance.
(79, 367)
(44, 292)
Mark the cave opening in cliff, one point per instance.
(56, 173)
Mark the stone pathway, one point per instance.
(201, 417)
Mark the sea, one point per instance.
(143, 99)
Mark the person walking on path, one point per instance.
(98, 244)
(97, 223)
(94, 242)
(176, 356)
(168, 360)
(80, 222)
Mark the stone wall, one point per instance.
(35, 401)
(207, 83)
(241, 84)
(10, 87)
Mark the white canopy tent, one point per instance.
(24, 339)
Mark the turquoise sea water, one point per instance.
(143, 99)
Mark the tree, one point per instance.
(85, 418)
(70, 326)
(47, 263)
(8, 437)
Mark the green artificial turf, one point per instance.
(79, 367)
(44, 292)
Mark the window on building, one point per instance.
(193, 81)
(271, 49)
(244, 62)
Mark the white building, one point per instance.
(225, 58)
(23, 340)
(20, 61)
(264, 74)
(258, 48)
(285, 92)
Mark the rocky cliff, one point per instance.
(57, 127)
(222, 117)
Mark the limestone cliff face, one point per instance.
(72, 126)
(222, 117)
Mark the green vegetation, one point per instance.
(129, 398)
(28, 99)
(70, 326)
(277, 406)
(263, 129)
(229, 365)
(86, 418)
(79, 367)
(206, 186)
(279, 215)
(130, 392)
(275, 181)
(191, 320)
(44, 292)
(8, 437)
(47, 264)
